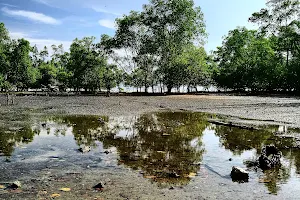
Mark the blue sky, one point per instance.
(46, 22)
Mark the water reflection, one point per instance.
(9, 139)
(166, 147)
(240, 140)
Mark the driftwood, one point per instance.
(230, 124)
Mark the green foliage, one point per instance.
(48, 74)
(85, 63)
(163, 45)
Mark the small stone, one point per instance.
(171, 188)
(106, 152)
(98, 187)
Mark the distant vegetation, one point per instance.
(163, 45)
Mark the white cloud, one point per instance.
(34, 16)
(107, 23)
(8, 5)
(40, 43)
(17, 35)
(42, 2)
(101, 10)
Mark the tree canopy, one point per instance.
(162, 46)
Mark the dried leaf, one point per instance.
(55, 195)
(65, 189)
(192, 174)
(149, 177)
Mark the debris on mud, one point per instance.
(239, 175)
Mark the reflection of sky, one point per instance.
(217, 158)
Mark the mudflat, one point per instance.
(267, 109)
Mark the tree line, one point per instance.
(153, 47)
(263, 60)
(163, 46)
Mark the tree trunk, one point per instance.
(108, 92)
(189, 88)
(161, 88)
(169, 89)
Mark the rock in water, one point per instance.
(267, 162)
(239, 175)
(84, 149)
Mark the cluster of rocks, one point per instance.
(269, 158)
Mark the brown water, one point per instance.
(167, 148)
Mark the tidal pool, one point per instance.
(168, 148)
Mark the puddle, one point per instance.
(166, 148)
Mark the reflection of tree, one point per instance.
(239, 140)
(10, 139)
(161, 146)
(86, 129)
(272, 176)
(294, 156)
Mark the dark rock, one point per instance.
(15, 185)
(98, 187)
(84, 149)
(106, 152)
(270, 157)
(230, 159)
(239, 175)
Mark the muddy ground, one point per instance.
(40, 180)
(259, 109)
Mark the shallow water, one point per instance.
(167, 148)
